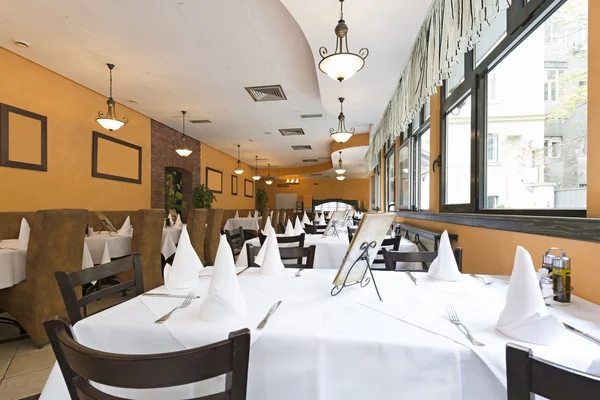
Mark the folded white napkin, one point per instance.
(271, 214)
(126, 229)
(184, 272)
(170, 218)
(322, 220)
(268, 257)
(316, 218)
(329, 214)
(444, 267)
(24, 234)
(289, 229)
(305, 219)
(255, 213)
(178, 222)
(237, 215)
(268, 227)
(525, 316)
(105, 254)
(224, 301)
(249, 214)
(298, 227)
(87, 261)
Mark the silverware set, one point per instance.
(453, 317)
(186, 302)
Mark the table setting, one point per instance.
(13, 257)
(248, 223)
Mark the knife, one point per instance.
(411, 276)
(271, 311)
(582, 334)
(173, 296)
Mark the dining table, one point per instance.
(345, 347)
(247, 223)
(12, 263)
(118, 245)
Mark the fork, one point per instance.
(186, 302)
(482, 279)
(453, 317)
(297, 274)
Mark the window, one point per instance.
(555, 29)
(492, 148)
(333, 206)
(375, 189)
(491, 86)
(390, 188)
(552, 147)
(491, 37)
(404, 176)
(492, 202)
(424, 173)
(552, 86)
(457, 140)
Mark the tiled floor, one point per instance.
(24, 368)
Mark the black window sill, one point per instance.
(585, 229)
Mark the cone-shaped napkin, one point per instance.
(24, 234)
(87, 261)
(170, 218)
(237, 215)
(317, 217)
(268, 257)
(525, 316)
(268, 227)
(178, 222)
(444, 267)
(184, 272)
(255, 214)
(305, 219)
(298, 227)
(249, 214)
(289, 229)
(105, 254)
(271, 214)
(126, 229)
(329, 214)
(224, 301)
(322, 220)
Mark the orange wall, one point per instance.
(320, 189)
(71, 110)
(215, 159)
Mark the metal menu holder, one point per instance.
(336, 220)
(363, 249)
(105, 222)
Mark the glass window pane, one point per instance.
(458, 154)
(490, 37)
(457, 75)
(538, 159)
(389, 181)
(404, 177)
(424, 174)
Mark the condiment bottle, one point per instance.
(561, 279)
(548, 258)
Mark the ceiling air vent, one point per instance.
(312, 116)
(316, 174)
(291, 132)
(266, 93)
(310, 160)
(200, 121)
(302, 147)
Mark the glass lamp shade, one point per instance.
(256, 177)
(340, 177)
(340, 170)
(341, 66)
(269, 181)
(341, 137)
(110, 123)
(184, 152)
(238, 171)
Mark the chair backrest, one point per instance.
(527, 375)
(213, 232)
(67, 282)
(265, 215)
(285, 239)
(196, 227)
(314, 229)
(80, 365)
(275, 220)
(236, 238)
(387, 244)
(147, 240)
(287, 253)
(392, 257)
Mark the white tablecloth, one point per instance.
(246, 223)
(12, 263)
(172, 231)
(118, 246)
(346, 347)
(330, 251)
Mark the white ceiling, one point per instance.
(198, 55)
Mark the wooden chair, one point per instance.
(351, 232)
(196, 227)
(314, 229)
(391, 258)
(265, 216)
(80, 365)
(287, 253)
(147, 240)
(67, 282)
(285, 239)
(527, 375)
(213, 232)
(394, 243)
(236, 240)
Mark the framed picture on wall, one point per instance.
(234, 185)
(248, 188)
(214, 180)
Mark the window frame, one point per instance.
(523, 17)
(405, 143)
(389, 152)
(424, 126)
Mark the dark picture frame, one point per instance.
(248, 188)
(211, 182)
(234, 185)
(5, 160)
(96, 136)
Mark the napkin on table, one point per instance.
(289, 229)
(525, 316)
(322, 220)
(298, 228)
(305, 219)
(268, 227)
(444, 267)
(183, 274)
(126, 229)
(268, 257)
(271, 214)
(178, 222)
(24, 234)
(329, 214)
(237, 214)
(105, 254)
(87, 261)
(224, 301)
(249, 214)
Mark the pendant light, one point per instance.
(110, 120)
(340, 177)
(256, 176)
(239, 169)
(183, 150)
(341, 135)
(269, 180)
(340, 169)
(342, 64)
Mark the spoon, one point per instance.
(482, 279)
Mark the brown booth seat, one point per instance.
(196, 227)
(147, 240)
(10, 223)
(213, 232)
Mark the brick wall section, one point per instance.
(164, 142)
